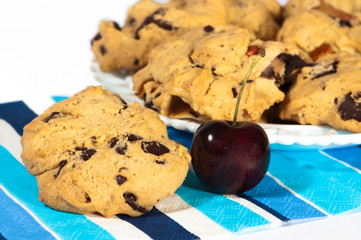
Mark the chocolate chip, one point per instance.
(157, 95)
(79, 148)
(121, 150)
(136, 61)
(331, 69)
(154, 148)
(87, 153)
(150, 105)
(125, 104)
(122, 168)
(113, 141)
(164, 24)
(160, 162)
(116, 26)
(62, 164)
(54, 115)
(87, 198)
(194, 113)
(133, 137)
(350, 108)
(193, 64)
(213, 69)
(103, 50)
(208, 28)
(97, 37)
(132, 21)
(131, 200)
(291, 65)
(345, 23)
(121, 179)
(335, 100)
(234, 91)
(151, 19)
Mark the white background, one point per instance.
(45, 50)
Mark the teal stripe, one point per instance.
(59, 98)
(327, 183)
(23, 187)
(227, 213)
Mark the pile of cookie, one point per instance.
(95, 153)
(191, 56)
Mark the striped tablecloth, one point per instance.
(300, 186)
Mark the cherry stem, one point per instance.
(261, 53)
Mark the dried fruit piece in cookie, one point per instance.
(93, 152)
(327, 92)
(150, 23)
(198, 75)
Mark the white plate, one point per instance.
(299, 136)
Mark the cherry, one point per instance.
(231, 158)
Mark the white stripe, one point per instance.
(39, 104)
(297, 195)
(32, 214)
(190, 218)
(342, 162)
(254, 208)
(118, 228)
(10, 139)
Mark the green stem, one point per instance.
(261, 53)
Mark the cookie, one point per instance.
(150, 23)
(261, 17)
(339, 34)
(327, 92)
(198, 75)
(94, 153)
(294, 7)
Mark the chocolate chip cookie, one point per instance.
(313, 29)
(294, 7)
(327, 92)
(198, 75)
(150, 23)
(93, 152)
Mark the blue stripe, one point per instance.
(23, 187)
(159, 226)
(18, 223)
(183, 137)
(349, 155)
(17, 114)
(327, 183)
(263, 206)
(2, 237)
(280, 202)
(225, 212)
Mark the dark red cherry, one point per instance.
(230, 160)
